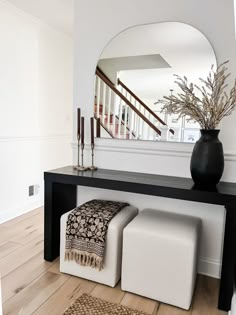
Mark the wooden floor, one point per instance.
(32, 286)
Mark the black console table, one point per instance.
(60, 197)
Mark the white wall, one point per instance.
(233, 307)
(97, 22)
(35, 106)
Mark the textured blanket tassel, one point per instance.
(84, 259)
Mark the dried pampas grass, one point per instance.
(211, 106)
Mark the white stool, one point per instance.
(160, 256)
(111, 272)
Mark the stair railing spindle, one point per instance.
(131, 125)
(98, 95)
(120, 113)
(113, 114)
(142, 129)
(138, 127)
(130, 117)
(135, 120)
(109, 110)
(149, 129)
(125, 117)
(104, 102)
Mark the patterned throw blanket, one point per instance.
(86, 230)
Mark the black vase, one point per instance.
(207, 161)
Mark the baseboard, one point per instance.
(8, 215)
(209, 267)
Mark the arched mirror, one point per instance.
(136, 69)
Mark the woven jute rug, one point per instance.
(89, 305)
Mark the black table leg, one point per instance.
(59, 198)
(228, 262)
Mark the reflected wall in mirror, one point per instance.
(137, 69)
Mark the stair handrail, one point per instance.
(117, 92)
(100, 70)
(143, 104)
(103, 126)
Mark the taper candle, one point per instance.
(92, 130)
(98, 128)
(78, 123)
(82, 130)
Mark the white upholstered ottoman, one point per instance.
(160, 256)
(111, 272)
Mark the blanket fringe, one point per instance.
(84, 258)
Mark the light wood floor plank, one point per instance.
(206, 297)
(165, 309)
(20, 256)
(24, 226)
(21, 277)
(113, 295)
(65, 296)
(27, 301)
(28, 236)
(139, 303)
(55, 267)
(13, 222)
(7, 248)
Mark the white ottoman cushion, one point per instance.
(160, 255)
(111, 272)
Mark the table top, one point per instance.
(171, 182)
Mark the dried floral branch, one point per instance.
(211, 106)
